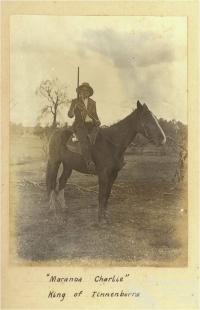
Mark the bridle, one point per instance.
(142, 124)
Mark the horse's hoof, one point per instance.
(61, 200)
(59, 220)
(62, 205)
(104, 221)
(102, 225)
(51, 211)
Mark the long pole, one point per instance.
(78, 84)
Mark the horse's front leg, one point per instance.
(106, 181)
(112, 177)
(104, 190)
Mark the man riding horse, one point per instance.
(83, 108)
(107, 153)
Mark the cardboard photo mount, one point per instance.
(160, 288)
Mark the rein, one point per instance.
(111, 142)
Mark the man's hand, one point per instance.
(72, 108)
(98, 123)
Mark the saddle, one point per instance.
(74, 145)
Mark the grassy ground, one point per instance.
(148, 214)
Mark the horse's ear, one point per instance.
(145, 106)
(139, 105)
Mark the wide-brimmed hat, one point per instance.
(86, 86)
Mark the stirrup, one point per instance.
(91, 167)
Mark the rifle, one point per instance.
(78, 84)
(77, 112)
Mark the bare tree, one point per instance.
(56, 95)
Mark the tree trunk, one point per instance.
(54, 124)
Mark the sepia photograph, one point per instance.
(98, 141)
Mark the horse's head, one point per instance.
(148, 125)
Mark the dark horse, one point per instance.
(107, 153)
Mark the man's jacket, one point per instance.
(80, 106)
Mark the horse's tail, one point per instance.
(56, 141)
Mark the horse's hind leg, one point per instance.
(61, 187)
(52, 170)
(52, 201)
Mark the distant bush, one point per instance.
(42, 131)
(176, 130)
(44, 134)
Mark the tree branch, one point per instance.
(54, 93)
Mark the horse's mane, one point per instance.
(116, 125)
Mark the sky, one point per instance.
(124, 58)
